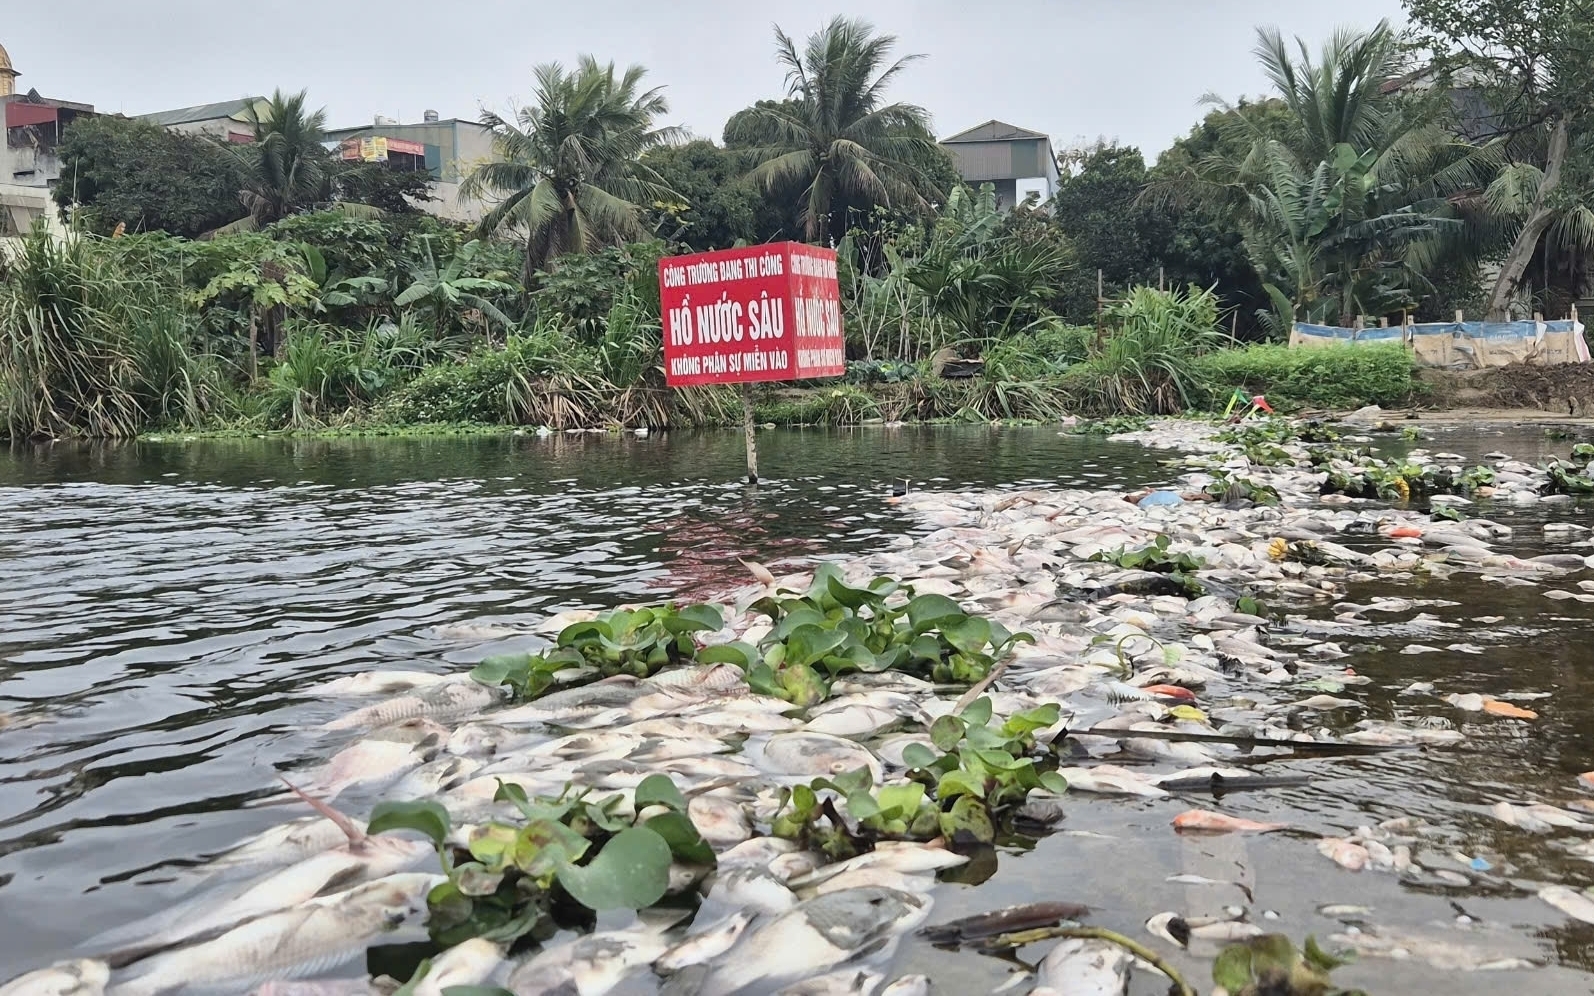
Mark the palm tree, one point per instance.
(1346, 207)
(835, 142)
(570, 174)
(285, 168)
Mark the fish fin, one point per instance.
(760, 573)
(357, 837)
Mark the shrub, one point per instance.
(1148, 363)
(1331, 377)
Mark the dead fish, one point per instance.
(815, 936)
(1206, 821)
(608, 697)
(468, 963)
(907, 858)
(451, 698)
(363, 859)
(316, 987)
(1002, 921)
(1110, 779)
(79, 977)
(381, 755)
(888, 878)
(807, 755)
(721, 822)
(854, 721)
(1574, 904)
(1348, 854)
(707, 944)
(908, 985)
(587, 966)
(1079, 967)
(1537, 818)
(751, 888)
(848, 982)
(379, 683)
(280, 845)
(1439, 954)
(433, 777)
(309, 939)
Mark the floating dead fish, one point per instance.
(315, 937)
(456, 697)
(1538, 818)
(1025, 917)
(1348, 854)
(589, 965)
(1109, 779)
(707, 944)
(379, 683)
(80, 977)
(1077, 967)
(1574, 904)
(808, 755)
(813, 937)
(1206, 821)
(473, 962)
(1440, 954)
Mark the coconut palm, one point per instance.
(1346, 203)
(570, 176)
(286, 168)
(834, 142)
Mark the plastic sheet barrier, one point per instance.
(1462, 345)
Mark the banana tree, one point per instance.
(450, 289)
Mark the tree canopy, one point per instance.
(117, 170)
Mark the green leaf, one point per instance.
(903, 800)
(659, 790)
(958, 782)
(803, 616)
(1030, 720)
(918, 756)
(1232, 968)
(927, 611)
(761, 679)
(631, 872)
(978, 712)
(1320, 959)
(807, 644)
(946, 731)
(1054, 783)
(498, 669)
(695, 618)
(743, 655)
(476, 879)
(545, 846)
(852, 598)
(862, 805)
(969, 634)
(925, 648)
(682, 835)
(969, 815)
(425, 816)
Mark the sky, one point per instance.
(1133, 71)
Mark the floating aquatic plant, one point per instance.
(574, 852)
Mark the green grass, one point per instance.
(1292, 379)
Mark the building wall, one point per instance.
(220, 128)
(1015, 168)
(20, 206)
(461, 145)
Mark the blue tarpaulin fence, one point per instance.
(1462, 344)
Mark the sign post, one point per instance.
(740, 316)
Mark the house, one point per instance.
(229, 120)
(1018, 162)
(29, 166)
(448, 148)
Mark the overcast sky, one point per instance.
(1132, 70)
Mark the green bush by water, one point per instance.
(1333, 377)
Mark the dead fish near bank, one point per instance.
(307, 940)
(1081, 967)
(816, 935)
(455, 697)
(380, 756)
(590, 965)
(81, 977)
(1574, 904)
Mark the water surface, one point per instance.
(163, 606)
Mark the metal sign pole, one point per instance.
(752, 439)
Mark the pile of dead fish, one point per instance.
(1162, 691)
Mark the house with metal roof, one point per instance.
(1018, 162)
(228, 120)
(29, 166)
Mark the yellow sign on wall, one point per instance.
(373, 150)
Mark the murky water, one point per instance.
(162, 606)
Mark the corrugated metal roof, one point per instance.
(993, 131)
(977, 162)
(201, 112)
